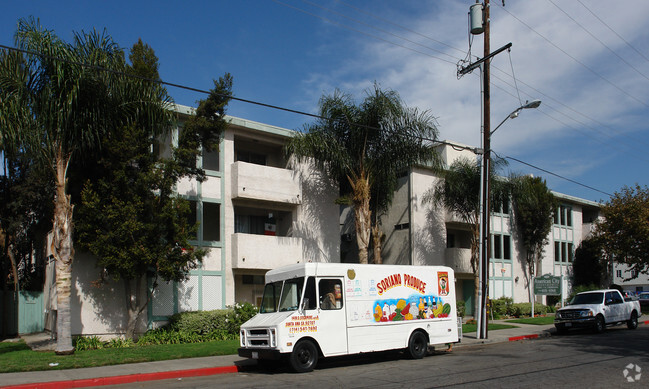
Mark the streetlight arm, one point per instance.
(514, 114)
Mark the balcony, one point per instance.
(459, 259)
(264, 252)
(258, 182)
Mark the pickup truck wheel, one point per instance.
(304, 356)
(417, 345)
(632, 324)
(600, 325)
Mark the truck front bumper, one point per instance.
(575, 323)
(260, 353)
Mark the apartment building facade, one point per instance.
(259, 210)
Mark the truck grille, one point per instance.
(573, 314)
(258, 338)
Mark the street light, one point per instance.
(485, 209)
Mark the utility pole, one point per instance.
(486, 161)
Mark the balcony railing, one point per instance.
(259, 182)
(459, 259)
(264, 252)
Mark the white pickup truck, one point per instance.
(597, 309)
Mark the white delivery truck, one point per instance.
(310, 310)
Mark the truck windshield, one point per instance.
(282, 295)
(588, 298)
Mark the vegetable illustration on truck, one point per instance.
(314, 310)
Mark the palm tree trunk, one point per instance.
(363, 215)
(378, 244)
(63, 253)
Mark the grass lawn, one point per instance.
(539, 320)
(466, 328)
(19, 357)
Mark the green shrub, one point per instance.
(461, 308)
(83, 343)
(501, 307)
(525, 309)
(201, 326)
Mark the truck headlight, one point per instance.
(586, 313)
(242, 336)
(272, 338)
(557, 315)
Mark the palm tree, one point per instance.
(459, 192)
(364, 148)
(57, 101)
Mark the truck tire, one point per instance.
(304, 356)
(632, 323)
(417, 345)
(600, 324)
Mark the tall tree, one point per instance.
(59, 100)
(624, 229)
(459, 192)
(534, 206)
(364, 147)
(130, 217)
(588, 267)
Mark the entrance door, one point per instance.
(332, 321)
(468, 293)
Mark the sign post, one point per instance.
(547, 285)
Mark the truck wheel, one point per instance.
(600, 325)
(417, 345)
(304, 356)
(632, 324)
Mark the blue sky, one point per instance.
(588, 61)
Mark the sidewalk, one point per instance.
(192, 367)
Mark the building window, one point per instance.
(211, 221)
(563, 216)
(564, 252)
(211, 160)
(500, 206)
(618, 273)
(501, 247)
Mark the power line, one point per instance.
(599, 40)
(576, 60)
(553, 174)
(613, 31)
(101, 68)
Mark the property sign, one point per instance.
(547, 285)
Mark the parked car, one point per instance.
(597, 309)
(643, 297)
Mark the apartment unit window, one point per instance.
(500, 206)
(209, 220)
(563, 252)
(211, 160)
(563, 216)
(618, 273)
(501, 247)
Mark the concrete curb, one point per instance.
(128, 379)
(175, 374)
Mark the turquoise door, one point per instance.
(31, 315)
(467, 295)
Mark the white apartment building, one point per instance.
(418, 233)
(259, 210)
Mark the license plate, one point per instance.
(255, 355)
(568, 324)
